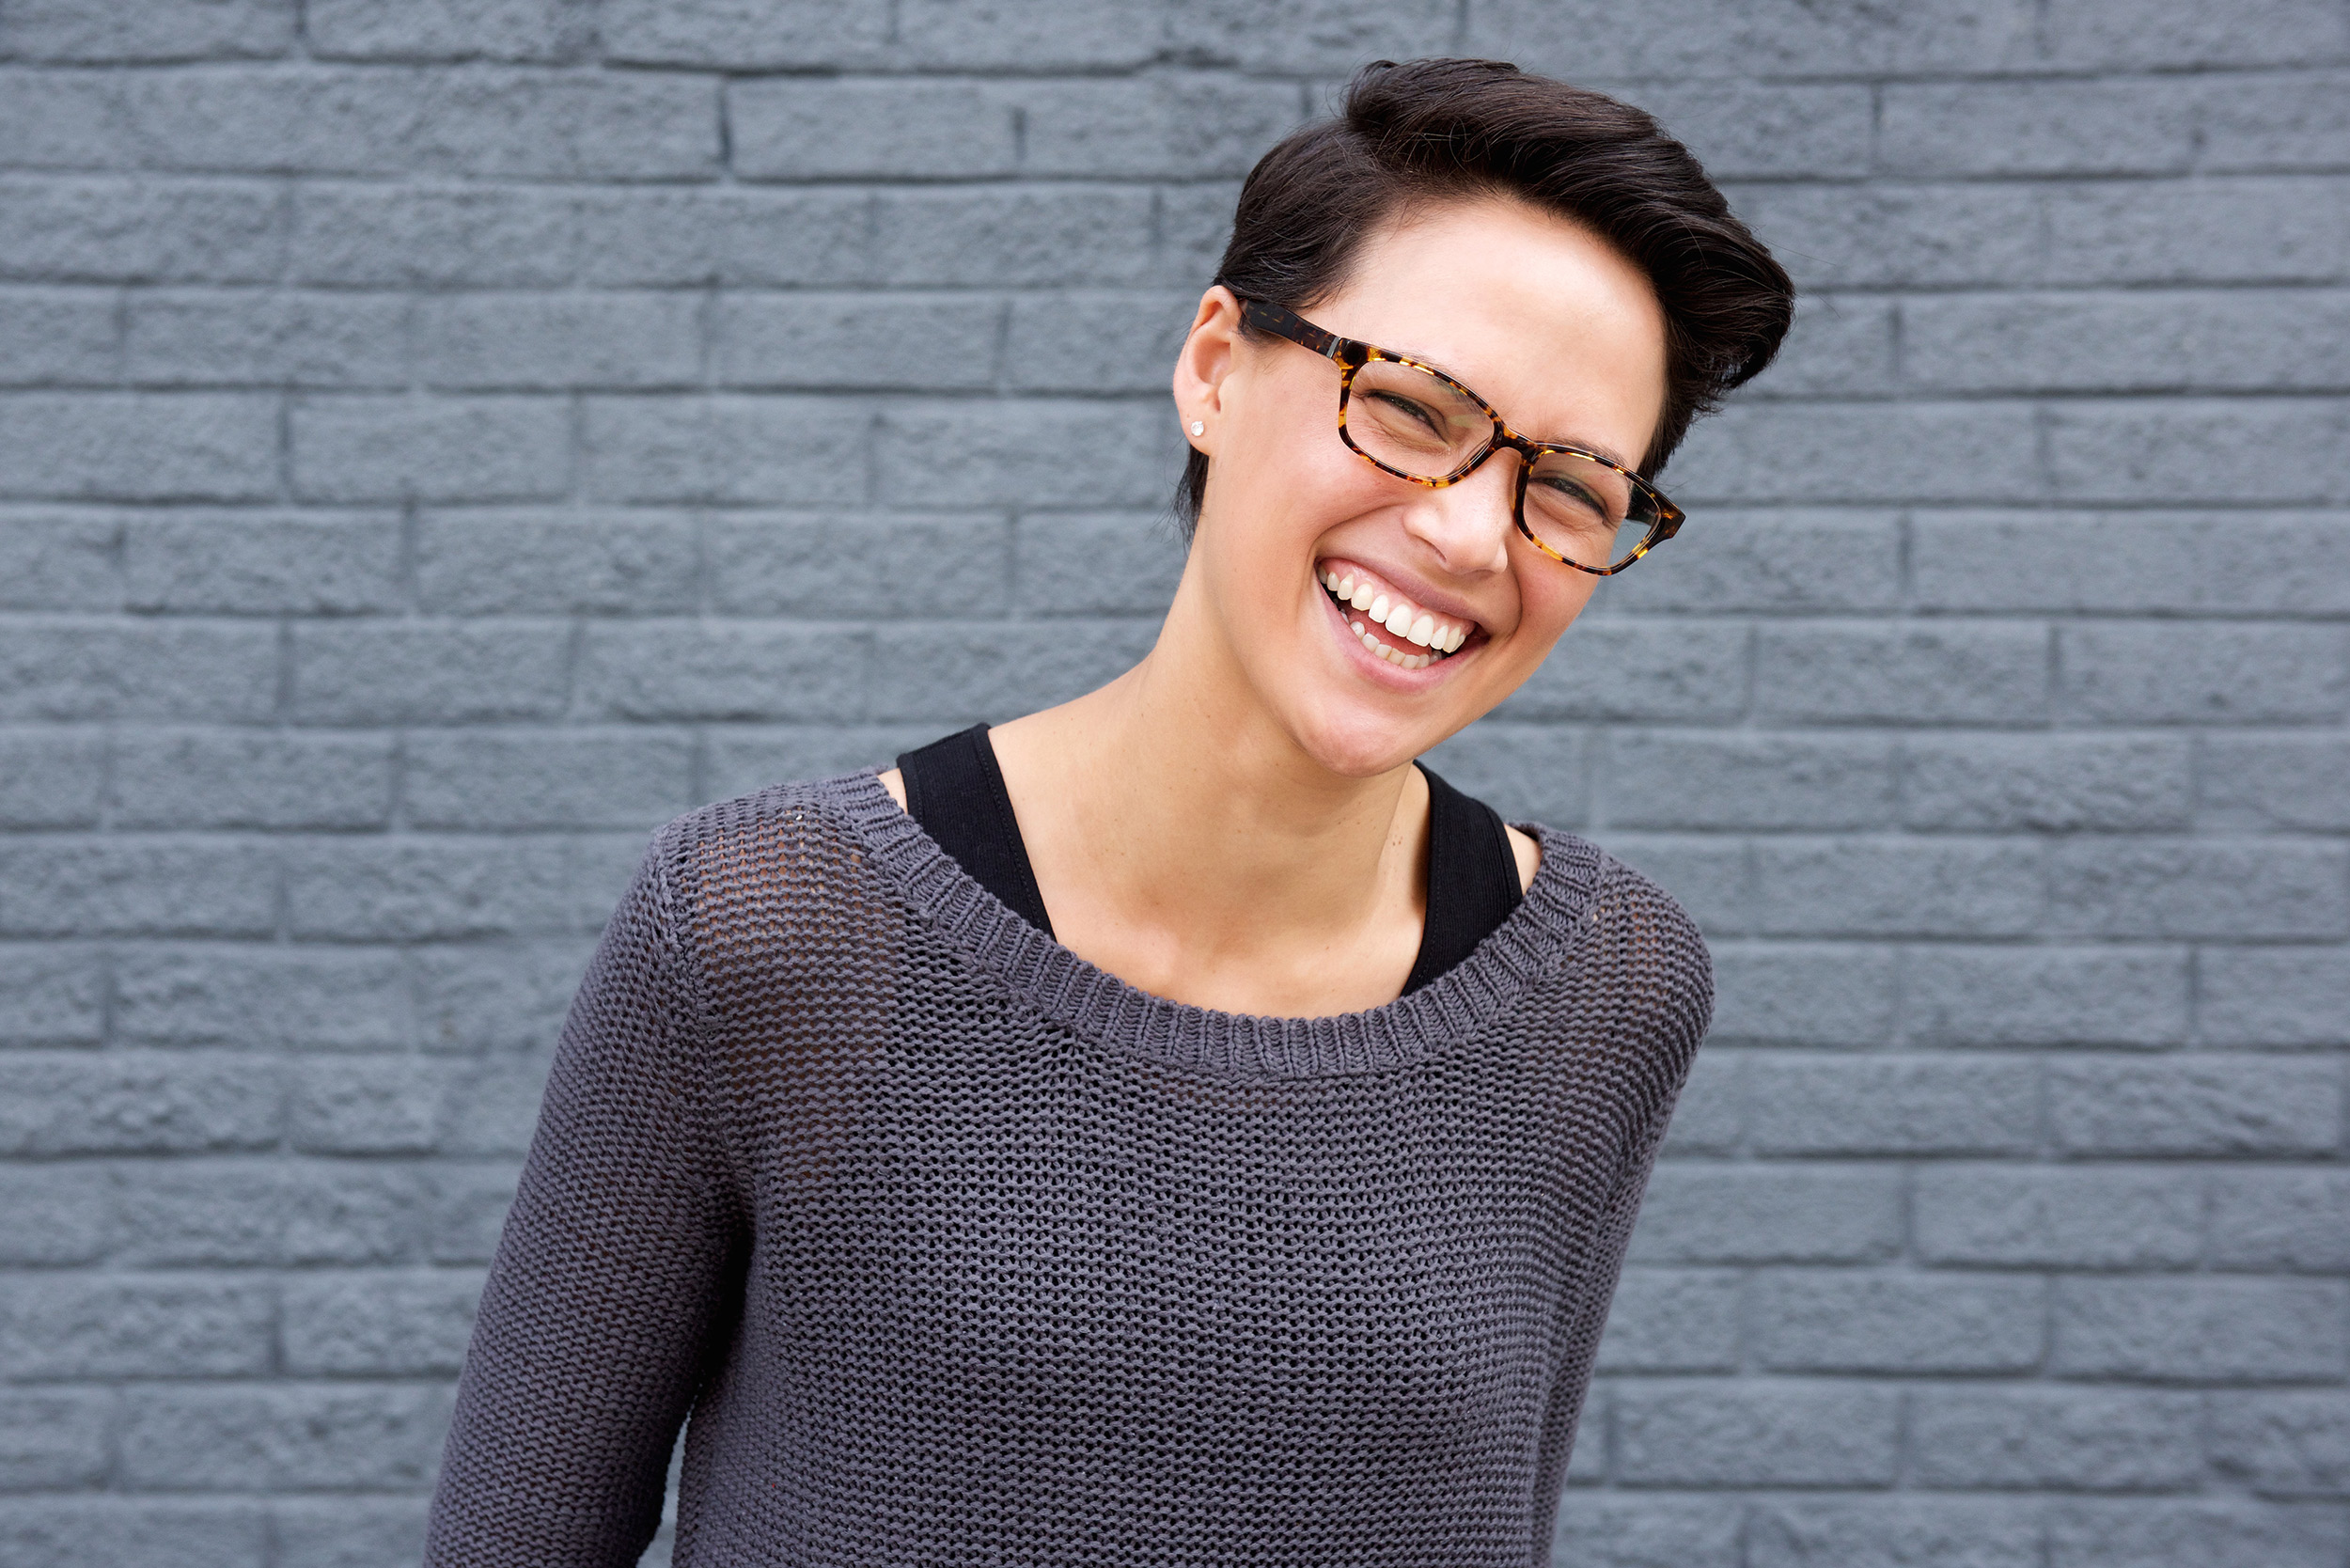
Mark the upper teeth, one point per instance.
(1397, 615)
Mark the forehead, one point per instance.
(1537, 314)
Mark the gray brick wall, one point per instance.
(440, 440)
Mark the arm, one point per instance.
(610, 1290)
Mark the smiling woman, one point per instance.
(1173, 1126)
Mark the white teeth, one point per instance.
(1360, 598)
(1380, 606)
(1398, 619)
(1346, 586)
(1423, 630)
(1359, 628)
(1330, 581)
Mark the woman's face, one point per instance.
(1541, 319)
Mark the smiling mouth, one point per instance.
(1391, 626)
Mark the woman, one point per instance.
(1172, 1127)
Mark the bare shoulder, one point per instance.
(895, 782)
(1529, 852)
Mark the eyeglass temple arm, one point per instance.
(1287, 323)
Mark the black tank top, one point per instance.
(955, 790)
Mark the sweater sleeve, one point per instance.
(612, 1285)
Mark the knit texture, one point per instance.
(958, 1249)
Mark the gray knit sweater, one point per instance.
(959, 1251)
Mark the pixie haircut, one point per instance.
(1437, 130)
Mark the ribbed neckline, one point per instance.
(1097, 1005)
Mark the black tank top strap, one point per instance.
(1472, 879)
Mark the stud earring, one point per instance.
(1197, 427)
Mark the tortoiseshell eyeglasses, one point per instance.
(1414, 422)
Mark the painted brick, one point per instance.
(2280, 229)
(241, 337)
(486, 997)
(493, 1107)
(194, 446)
(1610, 1530)
(1028, 34)
(1769, 1214)
(67, 668)
(1869, 1104)
(1095, 340)
(2201, 1330)
(51, 994)
(1525, 772)
(136, 1102)
(2019, 1216)
(1990, 783)
(1839, 344)
(1014, 236)
(1673, 1321)
(2044, 995)
(265, 778)
(283, 1436)
(265, 1211)
(144, 231)
(1809, 994)
(1787, 1532)
(534, 30)
(2283, 449)
(2167, 32)
(908, 341)
(2155, 888)
(1902, 672)
(2281, 781)
(134, 1325)
(59, 563)
(1709, 1117)
(373, 1104)
(2272, 996)
(1678, 779)
(809, 128)
(52, 1439)
(949, 671)
(814, 567)
(379, 1322)
(2206, 672)
(1797, 560)
(654, 237)
(740, 758)
(1855, 236)
(411, 671)
(1586, 38)
(2144, 340)
(1017, 453)
(51, 884)
(1321, 34)
(1637, 670)
(534, 778)
(2297, 119)
(2142, 562)
(55, 336)
(1194, 224)
(2195, 1106)
(726, 449)
(2284, 1445)
(1154, 127)
(394, 236)
(465, 1214)
(1703, 1432)
(1972, 452)
(51, 778)
(263, 562)
(740, 34)
(1842, 1321)
(533, 342)
(92, 30)
(1712, 881)
(676, 670)
(1878, 888)
(414, 887)
(2213, 1534)
(2280, 1220)
(501, 562)
(339, 1532)
(2127, 126)
(1756, 130)
(1093, 563)
(259, 995)
(61, 1532)
(2058, 1439)
(60, 1213)
(366, 448)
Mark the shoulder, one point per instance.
(767, 839)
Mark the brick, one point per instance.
(547, 342)
(2277, 228)
(726, 449)
(55, 336)
(59, 563)
(53, 1438)
(1893, 887)
(1523, 771)
(485, 998)
(1851, 235)
(262, 563)
(2056, 1439)
(1980, 783)
(93, 30)
(1028, 34)
(1095, 340)
(2135, 562)
(415, 886)
(1154, 127)
(83, 1325)
(882, 567)
(2196, 1105)
(420, 236)
(1705, 1432)
(50, 995)
(2209, 672)
(444, 448)
(88, 668)
(1926, 452)
(740, 35)
(1810, 994)
(497, 560)
(242, 337)
(260, 996)
(1743, 129)
(2126, 126)
(1678, 779)
(2297, 119)
(137, 1102)
(2073, 1218)
(1093, 563)
(59, 1214)
(1317, 35)
(51, 778)
(283, 1437)
(464, 1213)
(344, 1532)
(910, 341)
(1868, 1105)
(2278, 781)
(1892, 1533)
(265, 1211)
(1194, 224)
(55, 1533)
(724, 236)
(122, 884)
(741, 759)
(1780, 37)
(1829, 560)
(493, 1107)
(1013, 236)
(379, 1322)
(949, 671)
(2213, 1534)
(1610, 1530)
(139, 230)
(1637, 670)
(544, 31)
(369, 1105)
(2280, 1220)
(676, 670)
(2219, 888)
(263, 778)
(1750, 1213)
(537, 778)
(1902, 672)
(2201, 1330)
(61, 120)
(1840, 345)
(1673, 1321)
(2044, 995)
(2272, 996)
(428, 672)
(2173, 32)
(1709, 1117)
(2282, 1445)
(1020, 453)
(194, 446)
(1713, 881)
(810, 128)
(1845, 1320)
(2144, 340)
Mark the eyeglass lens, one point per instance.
(1420, 424)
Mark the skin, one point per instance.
(1235, 823)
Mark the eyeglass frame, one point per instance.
(1351, 354)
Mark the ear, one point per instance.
(1209, 350)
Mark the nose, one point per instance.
(1466, 525)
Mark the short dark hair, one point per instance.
(1437, 129)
